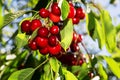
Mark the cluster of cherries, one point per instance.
(48, 40)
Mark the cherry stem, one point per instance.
(87, 52)
(41, 64)
(48, 5)
(34, 15)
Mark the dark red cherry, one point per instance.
(74, 47)
(80, 62)
(91, 74)
(55, 9)
(36, 23)
(44, 13)
(55, 50)
(43, 32)
(80, 13)
(41, 42)
(25, 26)
(80, 37)
(71, 12)
(44, 51)
(75, 36)
(75, 20)
(54, 30)
(52, 40)
(32, 45)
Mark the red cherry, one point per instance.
(55, 9)
(43, 32)
(32, 45)
(54, 30)
(74, 39)
(44, 51)
(44, 13)
(91, 74)
(36, 23)
(41, 42)
(54, 18)
(52, 40)
(25, 26)
(55, 50)
(80, 62)
(75, 20)
(71, 12)
(79, 39)
(74, 47)
(79, 13)
(68, 59)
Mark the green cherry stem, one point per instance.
(87, 52)
(42, 63)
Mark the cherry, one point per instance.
(44, 13)
(55, 50)
(44, 51)
(74, 47)
(80, 62)
(54, 18)
(79, 13)
(25, 26)
(32, 45)
(55, 9)
(43, 32)
(41, 42)
(75, 36)
(91, 74)
(75, 20)
(79, 39)
(68, 59)
(52, 40)
(36, 23)
(71, 12)
(54, 30)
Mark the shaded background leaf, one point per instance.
(8, 18)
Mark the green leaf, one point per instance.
(8, 18)
(94, 29)
(54, 64)
(66, 34)
(48, 74)
(68, 75)
(21, 40)
(116, 53)
(24, 74)
(83, 71)
(64, 9)
(113, 65)
(90, 22)
(109, 30)
(1, 17)
(112, 1)
(19, 59)
(117, 28)
(99, 34)
(47, 69)
(102, 72)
